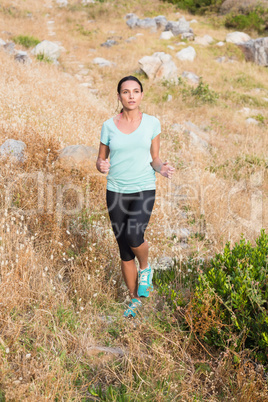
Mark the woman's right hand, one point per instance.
(104, 166)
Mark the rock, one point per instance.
(193, 22)
(180, 44)
(131, 39)
(50, 50)
(186, 54)
(132, 22)
(166, 35)
(62, 3)
(162, 263)
(77, 154)
(221, 59)
(187, 35)
(241, 6)
(220, 44)
(85, 71)
(2, 42)
(13, 148)
(250, 120)
(204, 40)
(102, 62)
(9, 48)
(109, 43)
(193, 78)
(169, 98)
(265, 99)
(171, 47)
(22, 57)
(159, 66)
(86, 2)
(130, 15)
(256, 51)
(147, 23)
(161, 21)
(178, 27)
(237, 37)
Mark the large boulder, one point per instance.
(159, 66)
(241, 6)
(161, 21)
(204, 40)
(237, 37)
(178, 27)
(256, 51)
(133, 21)
(14, 149)
(50, 50)
(62, 3)
(74, 155)
(187, 54)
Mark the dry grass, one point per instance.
(61, 291)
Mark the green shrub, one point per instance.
(26, 41)
(229, 307)
(224, 301)
(197, 6)
(253, 20)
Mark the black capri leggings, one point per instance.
(129, 215)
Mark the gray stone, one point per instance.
(256, 51)
(193, 78)
(250, 120)
(147, 23)
(86, 2)
(159, 66)
(62, 3)
(132, 22)
(193, 22)
(13, 148)
(169, 98)
(188, 54)
(221, 59)
(187, 35)
(171, 47)
(22, 57)
(131, 39)
(2, 42)
(130, 15)
(162, 263)
(204, 40)
(77, 154)
(9, 48)
(220, 44)
(237, 37)
(166, 35)
(50, 50)
(102, 62)
(109, 43)
(178, 27)
(161, 21)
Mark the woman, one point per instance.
(132, 139)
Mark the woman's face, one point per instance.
(130, 95)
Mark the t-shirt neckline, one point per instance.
(132, 131)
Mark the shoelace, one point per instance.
(144, 277)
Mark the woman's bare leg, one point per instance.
(141, 253)
(130, 275)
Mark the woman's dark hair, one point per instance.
(128, 78)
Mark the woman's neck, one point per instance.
(131, 115)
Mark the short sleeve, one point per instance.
(156, 128)
(104, 134)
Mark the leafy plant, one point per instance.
(229, 307)
(253, 20)
(197, 6)
(26, 41)
(203, 93)
(44, 58)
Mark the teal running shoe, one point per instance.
(145, 282)
(133, 306)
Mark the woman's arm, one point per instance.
(102, 163)
(161, 167)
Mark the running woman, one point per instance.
(132, 139)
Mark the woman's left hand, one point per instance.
(167, 170)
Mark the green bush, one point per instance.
(254, 20)
(224, 301)
(26, 41)
(197, 6)
(229, 307)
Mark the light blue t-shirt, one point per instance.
(130, 155)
